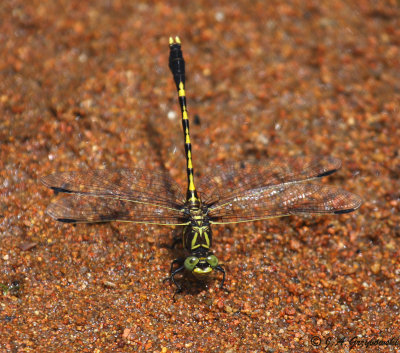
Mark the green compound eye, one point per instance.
(191, 262)
(212, 260)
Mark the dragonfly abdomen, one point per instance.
(177, 66)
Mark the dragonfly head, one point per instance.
(201, 265)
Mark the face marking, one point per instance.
(199, 272)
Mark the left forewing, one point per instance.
(88, 209)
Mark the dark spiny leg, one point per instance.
(179, 261)
(178, 287)
(220, 269)
(173, 272)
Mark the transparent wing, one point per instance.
(123, 194)
(241, 192)
(135, 185)
(79, 208)
(227, 182)
(283, 200)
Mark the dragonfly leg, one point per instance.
(173, 272)
(220, 269)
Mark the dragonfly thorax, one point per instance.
(197, 240)
(197, 236)
(198, 217)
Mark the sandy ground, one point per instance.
(85, 84)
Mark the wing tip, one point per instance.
(333, 165)
(329, 172)
(355, 205)
(57, 190)
(51, 183)
(44, 180)
(53, 214)
(349, 210)
(66, 220)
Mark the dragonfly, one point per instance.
(229, 194)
